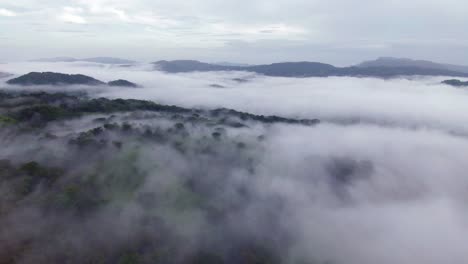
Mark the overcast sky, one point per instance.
(341, 32)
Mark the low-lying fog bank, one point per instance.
(381, 179)
(413, 102)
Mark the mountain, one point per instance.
(400, 62)
(178, 66)
(103, 60)
(295, 69)
(80, 163)
(52, 78)
(56, 59)
(108, 60)
(389, 72)
(456, 83)
(307, 69)
(404, 62)
(225, 63)
(122, 83)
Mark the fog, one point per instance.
(402, 142)
(411, 102)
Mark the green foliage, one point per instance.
(216, 135)
(6, 168)
(32, 168)
(44, 113)
(119, 177)
(256, 254)
(35, 170)
(206, 258)
(112, 126)
(79, 197)
(129, 258)
(26, 177)
(126, 127)
(6, 120)
(26, 185)
(89, 139)
(179, 126)
(69, 196)
(108, 166)
(61, 106)
(182, 198)
(163, 254)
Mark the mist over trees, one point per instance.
(265, 170)
(233, 132)
(89, 162)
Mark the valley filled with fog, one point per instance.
(380, 178)
(410, 101)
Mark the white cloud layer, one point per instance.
(72, 15)
(7, 13)
(409, 207)
(336, 31)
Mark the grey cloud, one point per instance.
(364, 25)
(401, 144)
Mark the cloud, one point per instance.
(70, 18)
(385, 170)
(421, 102)
(7, 13)
(382, 28)
(72, 15)
(275, 31)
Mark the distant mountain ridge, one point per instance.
(122, 83)
(178, 66)
(53, 78)
(108, 60)
(404, 62)
(307, 69)
(103, 60)
(225, 63)
(456, 83)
